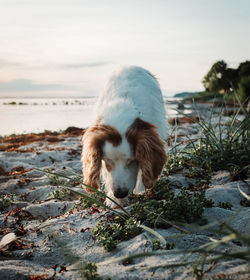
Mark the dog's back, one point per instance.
(132, 93)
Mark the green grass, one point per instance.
(221, 147)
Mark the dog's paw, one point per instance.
(139, 190)
(110, 203)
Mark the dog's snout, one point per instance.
(120, 193)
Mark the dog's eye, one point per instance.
(130, 162)
(109, 163)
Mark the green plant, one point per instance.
(113, 230)
(104, 232)
(6, 200)
(164, 206)
(182, 207)
(86, 202)
(227, 237)
(89, 272)
(225, 205)
(58, 194)
(156, 245)
(161, 188)
(56, 180)
(222, 146)
(176, 162)
(244, 202)
(201, 176)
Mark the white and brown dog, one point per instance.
(126, 145)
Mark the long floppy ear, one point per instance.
(91, 158)
(149, 150)
(93, 141)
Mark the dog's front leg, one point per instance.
(139, 188)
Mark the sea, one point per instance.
(34, 115)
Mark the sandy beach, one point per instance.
(47, 237)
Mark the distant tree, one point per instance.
(232, 79)
(244, 69)
(220, 78)
(217, 78)
(244, 89)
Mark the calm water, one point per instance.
(36, 115)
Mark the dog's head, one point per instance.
(122, 156)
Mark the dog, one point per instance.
(126, 144)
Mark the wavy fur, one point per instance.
(93, 141)
(126, 145)
(149, 150)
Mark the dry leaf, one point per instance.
(7, 239)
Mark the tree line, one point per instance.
(221, 78)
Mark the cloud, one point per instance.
(23, 85)
(7, 63)
(85, 65)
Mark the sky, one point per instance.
(51, 48)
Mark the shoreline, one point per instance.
(13, 142)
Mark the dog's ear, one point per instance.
(91, 158)
(92, 151)
(149, 150)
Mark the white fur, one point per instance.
(131, 93)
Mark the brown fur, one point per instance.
(149, 150)
(93, 141)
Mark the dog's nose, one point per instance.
(120, 193)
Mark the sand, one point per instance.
(52, 239)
